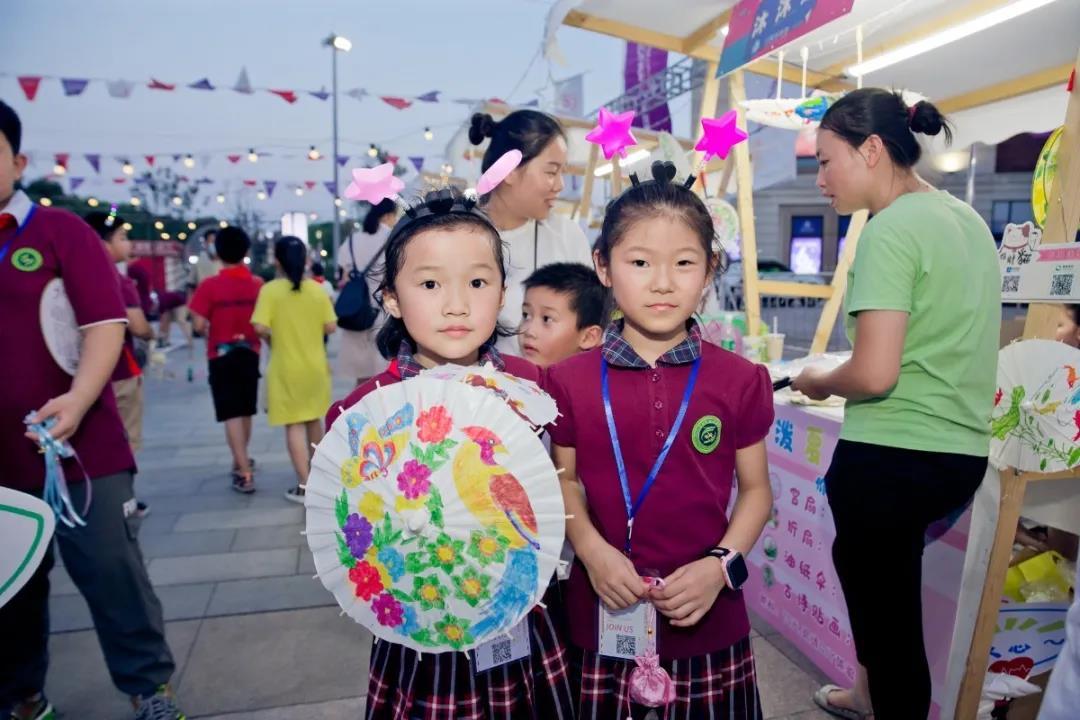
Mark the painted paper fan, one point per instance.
(434, 514)
(523, 396)
(1035, 424)
(59, 328)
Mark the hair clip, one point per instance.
(499, 171)
(111, 219)
(376, 184)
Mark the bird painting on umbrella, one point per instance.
(498, 500)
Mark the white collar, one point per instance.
(19, 207)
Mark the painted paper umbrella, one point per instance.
(1035, 423)
(26, 529)
(434, 514)
(523, 396)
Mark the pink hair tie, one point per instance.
(911, 114)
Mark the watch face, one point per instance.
(737, 572)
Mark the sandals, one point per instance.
(821, 699)
(243, 482)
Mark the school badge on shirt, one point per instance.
(26, 259)
(706, 434)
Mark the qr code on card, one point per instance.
(1010, 283)
(626, 645)
(501, 652)
(1061, 285)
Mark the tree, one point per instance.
(163, 192)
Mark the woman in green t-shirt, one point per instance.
(923, 311)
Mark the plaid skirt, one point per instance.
(722, 684)
(403, 685)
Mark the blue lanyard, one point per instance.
(18, 229)
(632, 507)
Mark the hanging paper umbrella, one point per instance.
(1042, 180)
(434, 514)
(523, 396)
(726, 223)
(1035, 424)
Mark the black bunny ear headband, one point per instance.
(663, 173)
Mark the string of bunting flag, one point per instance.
(123, 89)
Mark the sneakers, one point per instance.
(159, 706)
(141, 509)
(43, 710)
(295, 494)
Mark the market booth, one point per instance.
(1009, 76)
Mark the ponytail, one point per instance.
(291, 254)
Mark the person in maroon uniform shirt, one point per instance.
(39, 246)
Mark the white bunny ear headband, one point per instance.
(378, 183)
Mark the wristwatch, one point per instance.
(733, 565)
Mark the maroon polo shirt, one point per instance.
(126, 366)
(404, 366)
(685, 513)
(51, 243)
(227, 301)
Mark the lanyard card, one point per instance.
(623, 633)
(502, 649)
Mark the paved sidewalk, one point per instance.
(254, 635)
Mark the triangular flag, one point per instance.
(204, 180)
(396, 102)
(233, 158)
(392, 159)
(418, 162)
(310, 184)
(329, 185)
(287, 95)
(120, 88)
(270, 185)
(250, 183)
(29, 85)
(158, 85)
(176, 158)
(497, 101)
(432, 96)
(73, 86)
(342, 160)
(62, 159)
(119, 181)
(95, 161)
(150, 160)
(321, 94)
(243, 85)
(76, 182)
(203, 84)
(358, 93)
(535, 102)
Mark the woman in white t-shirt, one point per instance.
(358, 357)
(521, 206)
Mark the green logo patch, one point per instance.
(26, 259)
(706, 434)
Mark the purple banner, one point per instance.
(418, 163)
(76, 182)
(73, 86)
(95, 161)
(642, 62)
(329, 185)
(270, 185)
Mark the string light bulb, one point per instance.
(127, 227)
(159, 225)
(181, 235)
(165, 236)
(299, 192)
(189, 162)
(261, 195)
(223, 224)
(191, 226)
(221, 199)
(45, 202)
(92, 202)
(177, 200)
(59, 169)
(314, 216)
(128, 168)
(252, 155)
(428, 135)
(337, 202)
(135, 201)
(313, 154)
(372, 151)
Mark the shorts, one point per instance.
(234, 383)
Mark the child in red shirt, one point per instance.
(647, 493)
(222, 305)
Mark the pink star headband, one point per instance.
(612, 133)
(376, 184)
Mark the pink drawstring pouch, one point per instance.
(650, 685)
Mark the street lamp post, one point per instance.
(335, 43)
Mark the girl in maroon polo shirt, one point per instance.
(654, 425)
(442, 289)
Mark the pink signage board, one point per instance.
(758, 27)
(793, 584)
